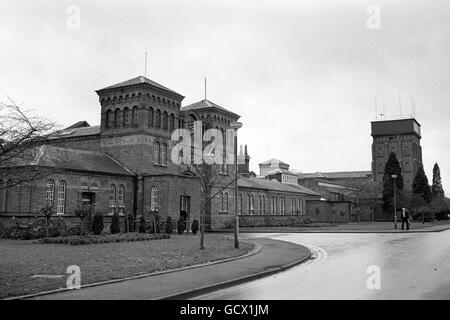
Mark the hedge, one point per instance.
(95, 239)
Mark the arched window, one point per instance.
(272, 205)
(61, 205)
(263, 204)
(151, 116)
(380, 168)
(117, 118)
(380, 152)
(407, 167)
(260, 204)
(112, 198)
(126, 116)
(165, 120)
(226, 202)
(154, 205)
(109, 119)
(249, 204)
(240, 203)
(252, 204)
(158, 119)
(221, 201)
(156, 153)
(135, 115)
(164, 154)
(50, 192)
(172, 122)
(120, 198)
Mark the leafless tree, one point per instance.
(21, 134)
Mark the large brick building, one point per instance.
(124, 165)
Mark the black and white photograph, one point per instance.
(224, 154)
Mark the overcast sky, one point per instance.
(303, 75)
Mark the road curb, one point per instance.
(224, 284)
(258, 247)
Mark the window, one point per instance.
(249, 205)
(226, 202)
(50, 192)
(252, 204)
(165, 120)
(380, 168)
(171, 122)
(272, 205)
(117, 118)
(164, 154)
(221, 201)
(260, 205)
(135, 115)
(109, 119)
(60, 208)
(154, 206)
(151, 115)
(120, 199)
(126, 116)
(263, 205)
(240, 203)
(158, 119)
(156, 153)
(112, 198)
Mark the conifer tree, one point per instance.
(436, 189)
(392, 167)
(420, 185)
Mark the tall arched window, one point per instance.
(109, 119)
(165, 120)
(221, 201)
(172, 122)
(260, 204)
(226, 202)
(50, 192)
(380, 168)
(151, 116)
(154, 205)
(158, 119)
(240, 203)
(111, 198)
(252, 204)
(164, 154)
(263, 204)
(60, 208)
(117, 118)
(135, 115)
(249, 204)
(156, 153)
(120, 198)
(126, 116)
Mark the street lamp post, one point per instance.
(236, 126)
(394, 176)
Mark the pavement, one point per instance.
(275, 256)
(353, 227)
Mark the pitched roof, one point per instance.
(266, 184)
(76, 132)
(273, 160)
(278, 170)
(79, 124)
(139, 80)
(205, 104)
(78, 160)
(336, 175)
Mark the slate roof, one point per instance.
(273, 160)
(275, 171)
(205, 104)
(76, 132)
(336, 175)
(78, 160)
(139, 80)
(266, 184)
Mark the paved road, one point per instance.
(412, 266)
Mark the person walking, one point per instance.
(405, 218)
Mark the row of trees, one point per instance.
(426, 201)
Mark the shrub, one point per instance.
(168, 226)
(74, 231)
(94, 239)
(194, 226)
(180, 225)
(142, 226)
(115, 223)
(97, 223)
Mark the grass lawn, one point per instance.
(20, 260)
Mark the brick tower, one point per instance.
(401, 136)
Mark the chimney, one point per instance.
(244, 162)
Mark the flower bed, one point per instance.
(93, 239)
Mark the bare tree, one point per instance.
(21, 134)
(363, 192)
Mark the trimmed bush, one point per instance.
(168, 227)
(142, 225)
(97, 223)
(180, 225)
(115, 223)
(195, 226)
(94, 239)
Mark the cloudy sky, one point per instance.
(303, 75)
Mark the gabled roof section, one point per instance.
(140, 80)
(79, 124)
(336, 175)
(206, 104)
(274, 161)
(284, 171)
(274, 185)
(78, 160)
(75, 132)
